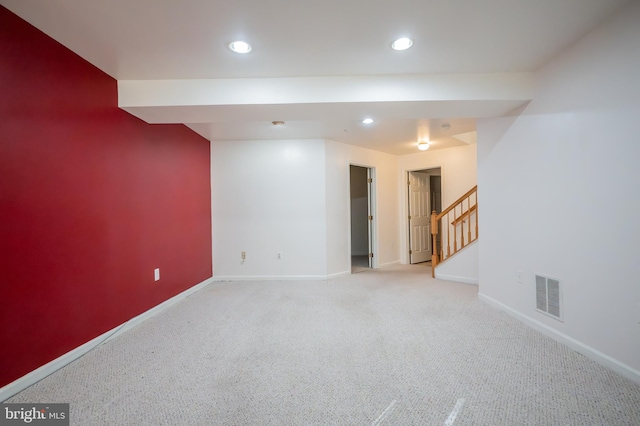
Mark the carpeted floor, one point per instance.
(391, 347)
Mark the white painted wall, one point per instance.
(458, 171)
(559, 195)
(463, 267)
(269, 196)
(292, 196)
(385, 203)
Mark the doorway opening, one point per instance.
(361, 194)
(424, 195)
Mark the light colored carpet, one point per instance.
(391, 347)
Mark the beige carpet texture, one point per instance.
(381, 347)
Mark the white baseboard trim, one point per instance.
(40, 373)
(221, 278)
(594, 354)
(465, 280)
(338, 274)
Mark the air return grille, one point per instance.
(548, 296)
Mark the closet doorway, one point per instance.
(361, 194)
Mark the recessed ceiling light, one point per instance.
(367, 121)
(402, 43)
(423, 146)
(240, 47)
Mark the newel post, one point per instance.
(434, 234)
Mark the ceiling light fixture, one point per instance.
(240, 47)
(367, 121)
(423, 146)
(402, 44)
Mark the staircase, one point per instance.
(455, 228)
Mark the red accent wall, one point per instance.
(91, 201)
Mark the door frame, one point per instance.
(412, 176)
(404, 209)
(373, 208)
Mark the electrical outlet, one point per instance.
(156, 274)
(519, 276)
(279, 255)
(243, 255)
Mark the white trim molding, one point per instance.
(597, 356)
(221, 278)
(465, 280)
(225, 278)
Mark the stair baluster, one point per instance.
(442, 224)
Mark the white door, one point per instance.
(419, 217)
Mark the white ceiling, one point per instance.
(176, 41)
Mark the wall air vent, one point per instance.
(549, 297)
